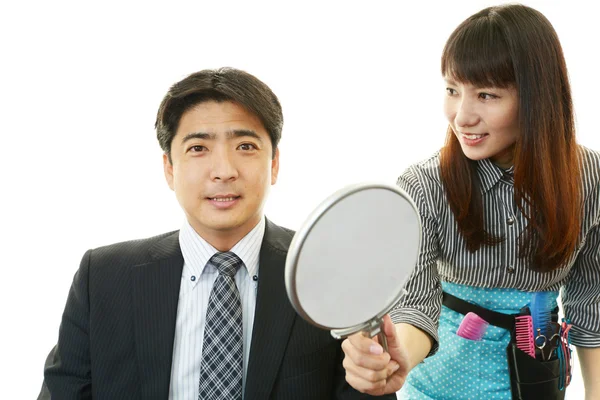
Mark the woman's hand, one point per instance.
(369, 369)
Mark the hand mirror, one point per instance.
(348, 263)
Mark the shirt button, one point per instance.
(193, 278)
(510, 221)
(511, 269)
(255, 278)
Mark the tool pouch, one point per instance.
(531, 379)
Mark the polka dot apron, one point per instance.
(466, 369)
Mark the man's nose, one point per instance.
(223, 166)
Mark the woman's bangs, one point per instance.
(477, 53)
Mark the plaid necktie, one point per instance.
(222, 364)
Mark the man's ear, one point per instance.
(275, 167)
(168, 169)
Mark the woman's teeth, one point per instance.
(474, 136)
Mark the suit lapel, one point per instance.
(155, 289)
(274, 315)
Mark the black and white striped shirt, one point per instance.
(444, 257)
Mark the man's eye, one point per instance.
(450, 91)
(247, 146)
(197, 149)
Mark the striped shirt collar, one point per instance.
(197, 251)
(490, 174)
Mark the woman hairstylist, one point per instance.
(509, 206)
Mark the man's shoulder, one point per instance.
(277, 237)
(137, 251)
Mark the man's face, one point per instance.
(221, 171)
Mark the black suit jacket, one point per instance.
(117, 331)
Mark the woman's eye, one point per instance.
(487, 96)
(450, 91)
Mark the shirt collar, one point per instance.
(490, 174)
(197, 251)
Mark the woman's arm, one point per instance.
(589, 360)
(416, 342)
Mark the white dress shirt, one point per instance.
(197, 280)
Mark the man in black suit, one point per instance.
(140, 319)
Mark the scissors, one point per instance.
(542, 340)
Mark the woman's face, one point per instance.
(484, 120)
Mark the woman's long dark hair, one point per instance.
(516, 46)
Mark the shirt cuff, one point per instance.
(584, 338)
(417, 319)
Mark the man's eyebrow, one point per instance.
(238, 133)
(199, 135)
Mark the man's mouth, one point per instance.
(224, 199)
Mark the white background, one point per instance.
(80, 84)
